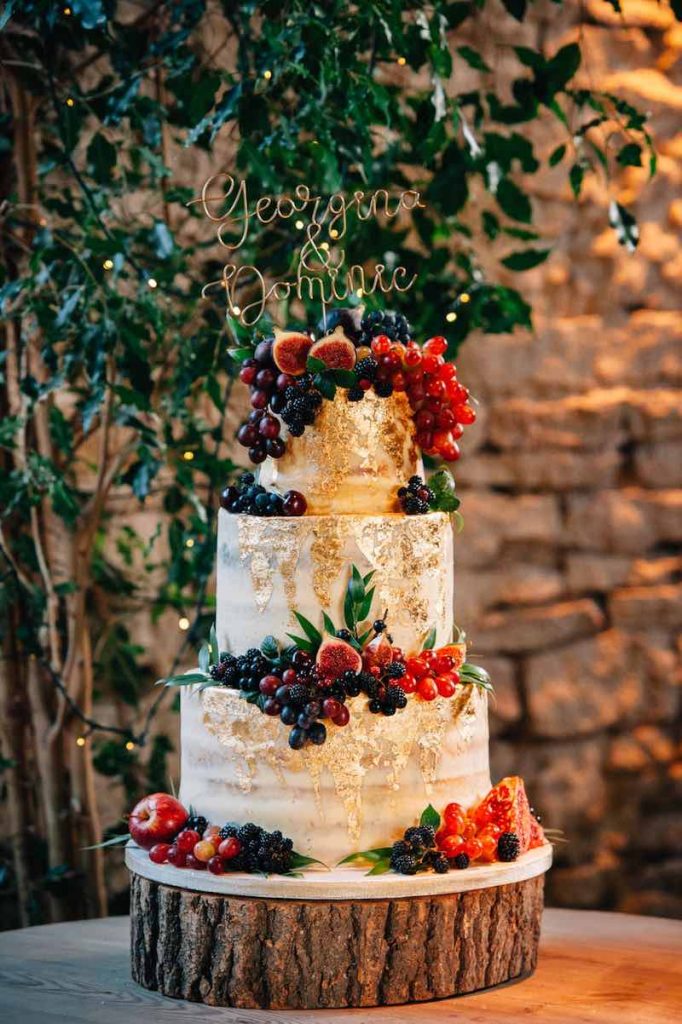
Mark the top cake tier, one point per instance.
(353, 458)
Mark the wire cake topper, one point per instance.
(319, 272)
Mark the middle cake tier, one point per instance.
(269, 568)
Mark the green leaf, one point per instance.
(315, 365)
(472, 58)
(270, 648)
(430, 640)
(366, 605)
(240, 354)
(356, 586)
(381, 867)
(213, 643)
(325, 386)
(184, 680)
(513, 201)
(310, 631)
(101, 157)
(563, 66)
(344, 378)
(491, 224)
(625, 225)
(204, 657)
(302, 644)
(430, 817)
(299, 860)
(630, 155)
(557, 155)
(525, 260)
(349, 612)
(379, 853)
(474, 675)
(517, 8)
(116, 841)
(328, 624)
(575, 177)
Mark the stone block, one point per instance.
(596, 573)
(543, 469)
(532, 629)
(659, 465)
(583, 687)
(627, 521)
(636, 609)
(494, 519)
(585, 887)
(511, 584)
(646, 353)
(505, 706)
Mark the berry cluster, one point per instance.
(230, 848)
(416, 852)
(416, 498)
(299, 404)
(260, 433)
(463, 833)
(432, 674)
(246, 496)
(394, 325)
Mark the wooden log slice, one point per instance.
(304, 954)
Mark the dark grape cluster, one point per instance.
(267, 852)
(260, 433)
(248, 497)
(393, 325)
(416, 852)
(416, 498)
(300, 404)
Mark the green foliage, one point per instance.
(102, 271)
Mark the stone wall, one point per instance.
(569, 569)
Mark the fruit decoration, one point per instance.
(290, 374)
(310, 683)
(417, 498)
(159, 823)
(458, 837)
(248, 497)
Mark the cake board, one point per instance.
(333, 939)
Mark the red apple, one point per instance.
(156, 819)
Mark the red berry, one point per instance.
(247, 434)
(427, 688)
(435, 388)
(456, 393)
(248, 373)
(381, 345)
(193, 862)
(216, 865)
(416, 667)
(424, 419)
(229, 848)
(451, 453)
(416, 392)
(447, 372)
(269, 426)
(294, 504)
(431, 363)
(466, 415)
(453, 845)
(454, 817)
(331, 707)
(446, 419)
(176, 856)
(446, 686)
(342, 716)
(398, 381)
(269, 685)
(441, 663)
(364, 384)
(259, 399)
(392, 359)
(413, 356)
(284, 381)
(289, 677)
(436, 346)
(187, 840)
(425, 439)
(408, 683)
(159, 853)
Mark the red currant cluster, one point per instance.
(260, 433)
(439, 402)
(432, 674)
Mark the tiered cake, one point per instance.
(335, 792)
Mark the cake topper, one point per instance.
(318, 273)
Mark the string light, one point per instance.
(189, 543)
(299, 225)
(188, 456)
(450, 317)
(236, 310)
(267, 75)
(67, 11)
(333, 233)
(152, 282)
(69, 101)
(360, 292)
(402, 61)
(108, 264)
(325, 246)
(465, 297)
(130, 745)
(183, 623)
(80, 742)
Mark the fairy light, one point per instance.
(108, 264)
(450, 317)
(183, 624)
(360, 292)
(152, 282)
(299, 225)
(67, 11)
(325, 246)
(267, 75)
(333, 233)
(236, 310)
(189, 543)
(465, 297)
(69, 101)
(188, 456)
(130, 745)
(80, 742)
(402, 61)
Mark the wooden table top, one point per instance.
(594, 968)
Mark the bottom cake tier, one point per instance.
(355, 792)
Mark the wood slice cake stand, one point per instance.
(333, 938)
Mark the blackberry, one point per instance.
(508, 846)
(414, 483)
(355, 394)
(413, 836)
(396, 670)
(395, 698)
(197, 823)
(375, 707)
(412, 506)
(366, 369)
(368, 684)
(248, 833)
(296, 427)
(461, 861)
(404, 865)
(394, 325)
(383, 388)
(228, 832)
(440, 864)
(291, 393)
(428, 836)
(351, 683)
(299, 694)
(400, 849)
